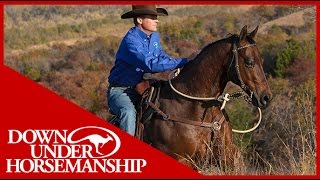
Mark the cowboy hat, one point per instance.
(144, 10)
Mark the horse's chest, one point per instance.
(185, 138)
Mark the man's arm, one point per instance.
(148, 62)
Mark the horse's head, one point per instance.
(248, 72)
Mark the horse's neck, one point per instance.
(206, 76)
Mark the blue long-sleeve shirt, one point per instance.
(139, 53)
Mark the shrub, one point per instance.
(185, 48)
(32, 73)
(286, 57)
(294, 49)
(300, 71)
(78, 60)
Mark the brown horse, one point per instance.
(185, 128)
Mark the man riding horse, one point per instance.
(140, 52)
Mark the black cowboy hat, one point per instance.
(144, 10)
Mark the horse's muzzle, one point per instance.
(263, 100)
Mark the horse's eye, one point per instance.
(249, 62)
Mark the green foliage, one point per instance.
(292, 51)
(286, 56)
(32, 73)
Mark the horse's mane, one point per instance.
(232, 38)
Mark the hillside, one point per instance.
(296, 19)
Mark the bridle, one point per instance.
(235, 57)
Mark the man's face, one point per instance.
(149, 23)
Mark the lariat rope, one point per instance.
(253, 128)
(224, 98)
(175, 73)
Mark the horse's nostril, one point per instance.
(265, 100)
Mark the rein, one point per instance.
(216, 125)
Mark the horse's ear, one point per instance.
(243, 33)
(254, 32)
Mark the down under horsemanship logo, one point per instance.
(97, 140)
(80, 151)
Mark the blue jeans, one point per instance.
(123, 102)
